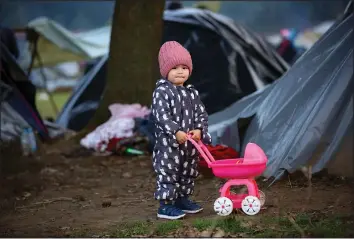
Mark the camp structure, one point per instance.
(229, 62)
(304, 119)
(17, 102)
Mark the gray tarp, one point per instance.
(306, 111)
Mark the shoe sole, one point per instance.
(195, 211)
(170, 217)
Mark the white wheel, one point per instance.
(223, 206)
(251, 205)
(262, 197)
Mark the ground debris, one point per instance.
(206, 233)
(106, 204)
(127, 175)
(219, 233)
(96, 180)
(47, 201)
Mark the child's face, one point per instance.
(178, 75)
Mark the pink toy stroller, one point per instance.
(241, 171)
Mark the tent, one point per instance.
(85, 98)
(56, 45)
(306, 117)
(227, 58)
(17, 100)
(17, 103)
(306, 38)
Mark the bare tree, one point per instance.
(132, 66)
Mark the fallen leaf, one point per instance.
(50, 171)
(219, 233)
(200, 177)
(246, 224)
(206, 233)
(27, 195)
(191, 233)
(127, 175)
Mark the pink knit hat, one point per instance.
(172, 54)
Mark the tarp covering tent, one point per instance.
(17, 107)
(304, 117)
(229, 63)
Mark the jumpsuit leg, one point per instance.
(189, 173)
(167, 166)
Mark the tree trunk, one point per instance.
(132, 65)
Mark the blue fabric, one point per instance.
(146, 127)
(22, 107)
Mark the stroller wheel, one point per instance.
(223, 206)
(262, 197)
(251, 205)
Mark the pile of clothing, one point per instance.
(121, 126)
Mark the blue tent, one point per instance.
(17, 93)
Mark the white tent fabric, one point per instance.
(57, 44)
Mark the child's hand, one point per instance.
(196, 134)
(181, 137)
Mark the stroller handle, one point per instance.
(203, 150)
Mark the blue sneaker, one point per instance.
(187, 205)
(169, 211)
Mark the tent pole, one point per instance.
(32, 37)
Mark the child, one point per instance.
(177, 111)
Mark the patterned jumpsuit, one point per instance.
(176, 108)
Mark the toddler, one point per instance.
(177, 111)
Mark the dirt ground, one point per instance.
(62, 191)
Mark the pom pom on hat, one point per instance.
(172, 54)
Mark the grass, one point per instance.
(132, 229)
(163, 229)
(44, 106)
(137, 229)
(302, 225)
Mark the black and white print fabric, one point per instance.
(176, 108)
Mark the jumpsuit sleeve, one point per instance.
(201, 119)
(162, 115)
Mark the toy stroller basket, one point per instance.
(252, 165)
